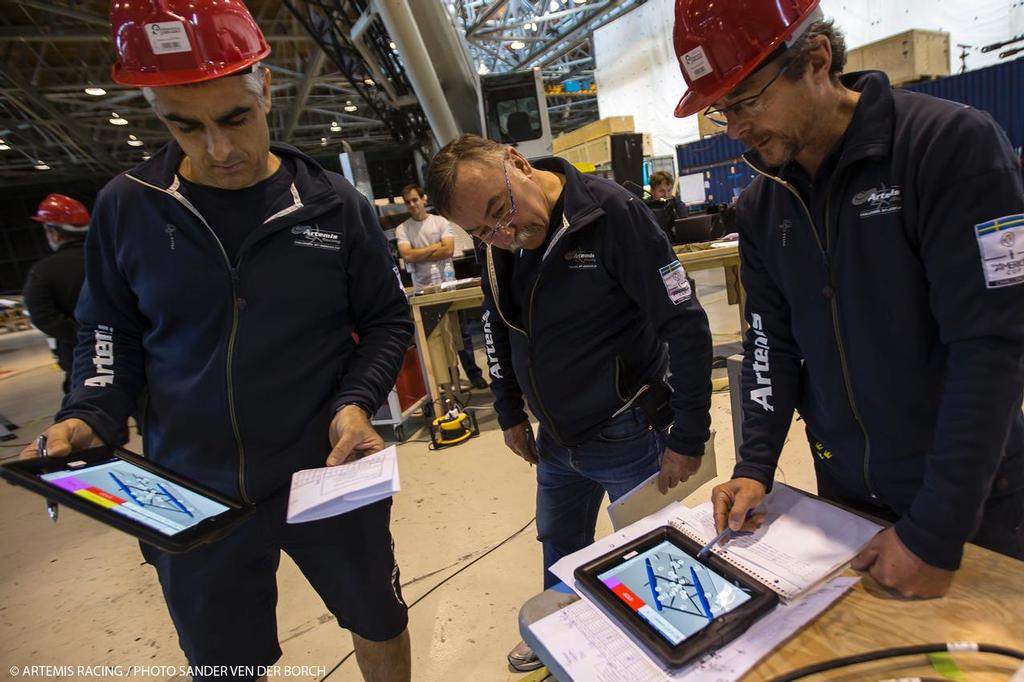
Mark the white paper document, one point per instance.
(802, 541)
(589, 646)
(328, 491)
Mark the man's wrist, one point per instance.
(363, 408)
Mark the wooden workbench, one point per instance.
(985, 605)
(725, 257)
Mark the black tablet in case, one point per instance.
(131, 494)
(674, 605)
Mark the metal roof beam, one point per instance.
(313, 68)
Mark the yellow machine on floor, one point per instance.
(454, 427)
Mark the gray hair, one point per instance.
(443, 167)
(800, 51)
(253, 82)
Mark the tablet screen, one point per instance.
(672, 591)
(147, 498)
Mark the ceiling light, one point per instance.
(554, 5)
(482, 69)
(117, 120)
(41, 165)
(95, 92)
(517, 44)
(145, 156)
(580, 2)
(323, 141)
(4, 146)
(135, 142)
(335, 128)
(392, 45)
(349, 107)
(368, 81)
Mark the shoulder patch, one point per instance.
(1001, 247)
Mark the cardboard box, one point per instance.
(906, 57)
(599, 151)
(592, 131)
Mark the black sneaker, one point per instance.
(522, 659)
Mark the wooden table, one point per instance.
(470, 297)
(727, 258)
(985, 605)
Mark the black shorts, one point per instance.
(222, 597)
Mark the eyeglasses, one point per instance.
(504, 221)
(747, 105)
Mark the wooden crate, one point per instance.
(592, 131)
(599, 151)
(706, 128)
(905, 57)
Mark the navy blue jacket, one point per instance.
(597, 321)
(245, 363)
(887, 309)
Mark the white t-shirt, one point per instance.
(421, 233)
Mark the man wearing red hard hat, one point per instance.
(53, 284)
(227, 276)
(881, 254)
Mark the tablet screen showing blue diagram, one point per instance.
(672, 591)
(142, 496)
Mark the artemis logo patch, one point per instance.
(493, 364)
(880, 201)
(170, 234)
(581, 260)
(761, 365)
(784, 228)
(313, 236)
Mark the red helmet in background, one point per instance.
(719, 43)
(67, 213)
(176, 42)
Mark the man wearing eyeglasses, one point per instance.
(586, 309)
(881, 252)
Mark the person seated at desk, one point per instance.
(425, 241)
(662, 189)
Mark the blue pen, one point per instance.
(700, 594)
(51, 506)
(651, 579)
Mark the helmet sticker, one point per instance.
(168, 37)
(696, 63)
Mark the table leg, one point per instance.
(423, 349)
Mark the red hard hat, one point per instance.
(58, 209)
(718, 44)
(176, 42)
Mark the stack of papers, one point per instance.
(328, 491)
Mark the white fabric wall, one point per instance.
(637, 74)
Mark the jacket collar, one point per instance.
(579, 203)
(310, 185)
(870, 131)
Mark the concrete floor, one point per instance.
(78, 594)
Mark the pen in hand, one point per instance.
(51, 506)
(725, 534)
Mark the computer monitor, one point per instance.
(697, 228)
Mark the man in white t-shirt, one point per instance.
(423, 240)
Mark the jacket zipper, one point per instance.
(233, 272)
(492, 276)
(834, 306)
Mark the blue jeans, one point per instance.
(571, 482)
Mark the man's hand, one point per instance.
(895, 567)
(63, 438)
(352, 436)
(519, 439)
(676, 468)
(733, 499)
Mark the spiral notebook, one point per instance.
(802, 542)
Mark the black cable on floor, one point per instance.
(435, 587)
(951, 647)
